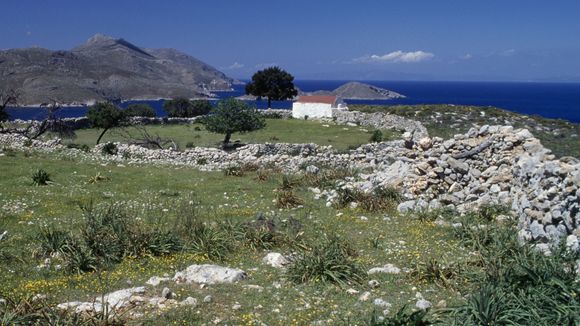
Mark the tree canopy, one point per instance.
(272, 83)
(6, 98)
(105, 115)
(139, 110)
(184, 108)
(231, 116)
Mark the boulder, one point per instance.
(209, 274)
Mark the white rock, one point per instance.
(207, 299)
(352, 291)
(374, 284)
(423, 304)
(81, 307)
(156, 280)
(365, 296)
(387, 269)
(209, 274)
(381, 303)
(275, 259)
(120, 298)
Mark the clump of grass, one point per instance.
(517, 283)
(98, 177)
(434, 271)
(380, 199)
(263, 174)
(326, 177)
(201, 161)
(403, 317)
(52, 241)
(84, 147)
(330, 260)
(190, 145)
(376, 137)
(285, 196)
(426, 215)
(234, 171)
(109, 149)
(40, 178)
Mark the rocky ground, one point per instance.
(487, 165)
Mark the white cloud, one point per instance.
(507, 53)
(233, 66)
(398, 56)
(466, 56)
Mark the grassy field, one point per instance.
(277, 130)
(154, 194)
(155, 221)
(562, 137)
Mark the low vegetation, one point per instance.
(561, 136)
(98, 228)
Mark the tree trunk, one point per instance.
(227, 139)
(101, 136)
(269, 103)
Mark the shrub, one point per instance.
(190, 145)
(381, 198)
(185, 108)
(109, 149)
(52, 241)
(376, 137)
(201, 161)
(287, 199)
(404, 317)
(84, 147)
(40, 178)
(140, 110)
(234, 170)
(97, 178)
(330, 260)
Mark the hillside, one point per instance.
(105, 67)
(360, 91)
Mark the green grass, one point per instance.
(561, 136)
(155, 194)
(276, 131)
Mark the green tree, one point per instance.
(105, 115)
(272, 83)
(230, 116)
(139, 110)
(183, 108)
(6, 99)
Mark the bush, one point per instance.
(404, 317)
(518, 285)
(287, 199)
(40, 178)
(190, 145)
(381, 198)
(140, 110)
(185, 108)
(234, 170)
(330, 260)
(52, 241)
(377, 136)
(83, 147)
(109, 149)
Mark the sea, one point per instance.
(550, 100)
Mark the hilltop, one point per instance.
(106, 67)
(360, 91)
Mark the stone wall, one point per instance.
(380, 120)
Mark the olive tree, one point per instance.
(105, 115)
(6, 98)
(139, 110)
(272, 83)
(231, 116)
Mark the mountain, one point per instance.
(360, 91)
(106, 68)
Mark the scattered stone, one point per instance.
(423, 304)
(209, 274)
(275, 259)
(207, 299)
(365, 296)
(374, 284)
(156, 280)
(189, 301)
(387, 269)
(382, 303)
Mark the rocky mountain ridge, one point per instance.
(106, 68)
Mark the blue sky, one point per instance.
(524, 40)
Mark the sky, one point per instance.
(492, 40)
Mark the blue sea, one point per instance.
(550, 100)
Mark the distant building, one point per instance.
(316, 106)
